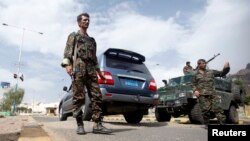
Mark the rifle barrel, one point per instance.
(213, 58)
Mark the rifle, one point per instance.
(74, 58)
(209, 60)
(212, 58)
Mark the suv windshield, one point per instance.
(123, 63)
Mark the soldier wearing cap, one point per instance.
(188, 69)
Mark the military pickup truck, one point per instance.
(177, 99)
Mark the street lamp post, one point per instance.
(19, 56)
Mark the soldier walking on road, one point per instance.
(81, 64)
(203, 88)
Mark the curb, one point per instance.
(32, 131)
(148, 118)
(182, 120)
(151, 118)
(120, 117)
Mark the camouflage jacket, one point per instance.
(204, 83)
(86, 52)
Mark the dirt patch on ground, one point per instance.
(10, 127)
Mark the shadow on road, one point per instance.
(149, 124)
(121, 130)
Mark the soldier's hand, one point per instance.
(69, 69)
(101, 75)
(197, 93)
(226, 65)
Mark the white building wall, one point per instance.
(40, 108)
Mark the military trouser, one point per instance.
(88, 81)
(211, 103)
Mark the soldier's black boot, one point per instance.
(100, 129)
(80, 128)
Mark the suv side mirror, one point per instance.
(165, 82)
(65, 88)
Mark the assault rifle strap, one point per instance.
(74, 57)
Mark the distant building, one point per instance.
(39, 108)
(5, 87)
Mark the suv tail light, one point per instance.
(152, 86)
(109, 79)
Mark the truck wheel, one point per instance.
(232, 115)
(133, 117)
(176, 115)
(195, 115)
(162, 115)
(62, 116)
(238, 94)
(86, 109)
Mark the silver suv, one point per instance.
(129, 89)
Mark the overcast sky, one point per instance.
(168, 33)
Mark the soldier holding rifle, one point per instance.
(203, 88)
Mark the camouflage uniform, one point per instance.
(85, 75)
(208, 100)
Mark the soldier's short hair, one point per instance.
(200, 61)
(188, 62)
(79, 17)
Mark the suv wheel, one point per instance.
(195, 115)
(232, 115)
(134, 117)
(162, 115)
(62, 116)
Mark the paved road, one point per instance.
(145, 131)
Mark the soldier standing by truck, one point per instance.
(81, 64)
(203, 88)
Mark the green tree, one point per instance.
(11, 96)
(247, 101)
(240, 83)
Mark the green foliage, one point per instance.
(242, 85)
(247, 100)
(238, 82)
(24, 109)
(11, 96)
